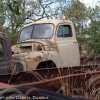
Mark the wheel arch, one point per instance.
(46, 64)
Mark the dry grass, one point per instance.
(69, 89)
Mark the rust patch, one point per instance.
(34, 57)
(37, 59)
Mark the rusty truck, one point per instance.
(76, 81)
(46, 44)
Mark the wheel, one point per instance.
(26, 77)
(93, 87)
(95, 94)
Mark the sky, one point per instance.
(91, 3)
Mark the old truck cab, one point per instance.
(45, 44)
(6, 64)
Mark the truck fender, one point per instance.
(31, 60)
(35, 58)
(52, 56)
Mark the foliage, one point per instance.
(94, 31)
(76, 13)
(2, 17)
(20, 12)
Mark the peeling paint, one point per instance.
(34, 57)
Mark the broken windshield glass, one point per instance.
(42, 31)
(38, 31)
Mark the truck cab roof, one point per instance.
(53, 21)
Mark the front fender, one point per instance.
(32, 59)
(53, 56)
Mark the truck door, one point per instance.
(67, 45)
(3, 57)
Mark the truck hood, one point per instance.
(33, 45)
(45, 42)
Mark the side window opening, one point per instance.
(64, 31)
(60, 33)
(1, 49)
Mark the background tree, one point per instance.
(20, 12)
(2, 17)
(94, 31)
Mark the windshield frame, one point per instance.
(33, 32)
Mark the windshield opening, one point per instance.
(26, 33)
(38, 31)
(42, 31)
